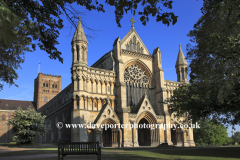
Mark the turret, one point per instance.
(79, 46)
(181, 67)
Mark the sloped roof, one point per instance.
(14, 104)
(136, 108)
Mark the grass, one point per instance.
(141, 153)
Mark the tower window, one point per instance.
(182, 73)
(45, 99)
(43, 84)
(81, 52)
(3, 117)
(55, 86)
(46, 84)
(52, 85)
(77, 47)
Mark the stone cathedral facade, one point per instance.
(125, 86)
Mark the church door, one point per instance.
(174, 136)
(107, 137)
(144, 136)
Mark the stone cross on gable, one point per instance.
(132, 22)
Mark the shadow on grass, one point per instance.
(32, 145)
(224, 152)
(141, 153)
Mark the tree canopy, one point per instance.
(34, 23)
(27, 125)
(214, 89)
(211, 132)
(236, 137)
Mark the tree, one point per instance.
(211, 132)
(40, 23)
(27, 125)
(236, 137)
(215, 67)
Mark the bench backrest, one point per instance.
(79, 147)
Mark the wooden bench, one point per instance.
(79, 148)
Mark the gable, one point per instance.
(144, 105)
(105, 113)
(129, 39)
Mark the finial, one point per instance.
(79, 18)
(39, 67)
(132, 22)
(108, 99)
(179, 45)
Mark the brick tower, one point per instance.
(45, 88)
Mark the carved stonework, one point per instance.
(135, 74)
(135, 54)
(132, 115)
(160, 117)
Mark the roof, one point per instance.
(14, 104)
(181, 60)
(79, 34)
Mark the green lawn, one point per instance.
(160, 153)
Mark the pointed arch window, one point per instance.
(77, 48)
(130, 45)
(182, 73)
(77, 99)
(45, 99)
(137, 47)
(81, 53)
(137, 84)
(134, 43)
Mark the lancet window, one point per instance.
(134, 43)
(137, 84)
(77, 48)
(81, 53)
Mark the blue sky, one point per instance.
(153, 35)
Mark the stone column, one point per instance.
(185, 142)
(190, 137)
(135, 135)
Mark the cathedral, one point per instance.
(125, 86)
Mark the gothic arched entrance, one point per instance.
(107, 137)
(110, 134)
(148, 136)
(176, 135)
(144, 134)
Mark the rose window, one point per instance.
(135, 74)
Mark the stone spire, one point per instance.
(79, 34)
(181, 60)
